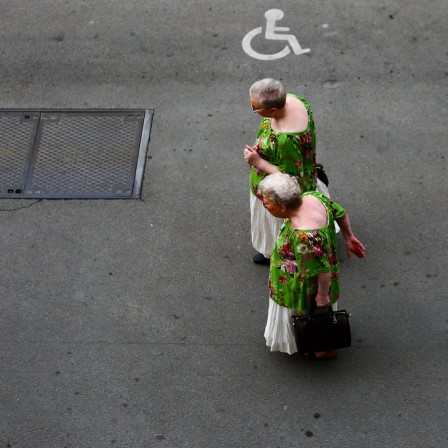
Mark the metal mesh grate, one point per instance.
(17, 133)
(76, 154)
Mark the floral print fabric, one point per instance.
(300, 255)
(293, 153)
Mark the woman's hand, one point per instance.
(253, 158)
(353, 245)
(251, 155)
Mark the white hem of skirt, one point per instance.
(279, 331)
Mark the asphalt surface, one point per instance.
(139, 323)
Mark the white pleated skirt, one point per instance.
(265, 227)
(279, 331)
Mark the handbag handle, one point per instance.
(314, 312)
(324, 309)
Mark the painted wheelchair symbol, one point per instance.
(272, 16)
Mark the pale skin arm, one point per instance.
(253, 158)
(352, 244)
(323, 292)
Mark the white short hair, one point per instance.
(269, 92)
(281, 189)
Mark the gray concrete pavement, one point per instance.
(139, 323)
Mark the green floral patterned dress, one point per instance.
(293, 153)
(300, 255)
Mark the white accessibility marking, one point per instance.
(273, 33)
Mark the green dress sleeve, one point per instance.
(335, 210)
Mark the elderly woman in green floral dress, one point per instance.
(304, 263)
(286, 142)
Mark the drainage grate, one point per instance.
(73, 154)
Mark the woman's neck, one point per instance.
(279, 114)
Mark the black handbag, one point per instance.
(322, 332)
(321, 174)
